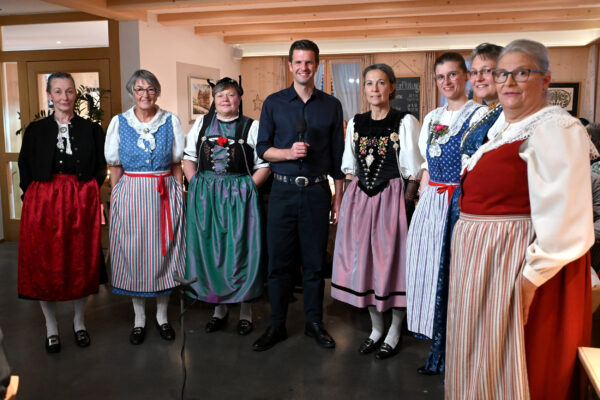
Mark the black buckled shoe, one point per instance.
(166, 331)
(82, 338)
(214, 324)
(386, 351)
(244, 327)
(369, 345)
(137, 335)
(317, 331)
(270, 338)
(52, 344)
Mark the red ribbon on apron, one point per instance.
(442, 187)
(165, 206)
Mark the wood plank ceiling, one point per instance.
(259, 21)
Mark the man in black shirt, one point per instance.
(301, 134)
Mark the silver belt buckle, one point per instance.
(297, 181)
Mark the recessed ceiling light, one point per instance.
(58, 42)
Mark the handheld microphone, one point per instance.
(301, 130)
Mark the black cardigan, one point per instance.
(39, 144)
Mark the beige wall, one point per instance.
(264, 75)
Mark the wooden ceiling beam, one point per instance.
(27, 19)
(415, 32)
(369, 24)
(367, 10)
(98, 7)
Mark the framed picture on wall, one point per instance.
(565, 95)
(200, 97)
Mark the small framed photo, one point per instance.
(565, 95)
(200, 97)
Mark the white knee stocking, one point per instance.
(162, 303)
(220, 311)
(377, 323)
(393, 336)
(49, 310)
(246, 311)
(79, 314)
(139, 305)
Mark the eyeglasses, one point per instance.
(451, 75)
(139, 90)
(482, 71)
(518, 75)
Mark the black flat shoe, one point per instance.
(369, 345)
(82, 338)
(52, 344)
(317, 331)
(137, 335)
(386, 351)
(166, 331)
(214, 324)
(270, 338)
(424, 371)
(244, 327)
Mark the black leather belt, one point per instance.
(300, 181)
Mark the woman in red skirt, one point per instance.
(62, 167)
(519, 300)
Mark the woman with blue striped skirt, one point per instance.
(144, 148)
(439, 142)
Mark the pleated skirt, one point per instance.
(369, 256)
(489, 353)
(138, 267)
(424, 248)
(60, 254)
(224, 238)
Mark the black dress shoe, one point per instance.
(244, 327)
(137, 335)
(270, 338)
(52, 344)
(82, 338)
(166, 331)
(214, 324)
(317, 330)
(424, 371)
(386, 351)
(369, 345)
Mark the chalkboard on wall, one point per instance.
(408, 95)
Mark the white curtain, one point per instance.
(320, 78)
(346, 87)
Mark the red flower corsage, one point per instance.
(222, 141)
(441, 129)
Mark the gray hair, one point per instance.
(145, 75)
(58, 75)
(537, 51)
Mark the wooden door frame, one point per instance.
(110, 53)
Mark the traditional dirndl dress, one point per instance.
(472, 138)
(224, 226)
(426, 232)
(369, 255)
(60, 252)
(491, 354)
(147, 229)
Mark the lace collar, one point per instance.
(523, 129)
(455, 127)
(151, 127)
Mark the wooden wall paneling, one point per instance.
(261, 77)
(115, 71)
(588, 96)
(49, 18)
(566, 65)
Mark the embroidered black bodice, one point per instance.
(376, 147)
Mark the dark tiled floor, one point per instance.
(220, 365)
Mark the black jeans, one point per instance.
(297, 218)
